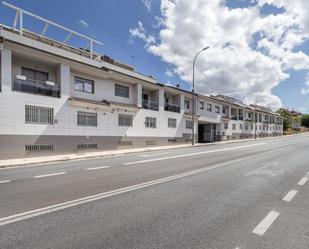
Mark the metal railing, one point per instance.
(21, 13)
(172, 108)
(36, 87)
(151, 105)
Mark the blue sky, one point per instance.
(110, 21)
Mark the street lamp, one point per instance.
(193, 94)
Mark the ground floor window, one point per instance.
(150, 122)
(86, 119)
(39, 115)
(125, 120)
(172, 122)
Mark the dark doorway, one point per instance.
(206, 133)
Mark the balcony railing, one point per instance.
(36, 87)
(172, 108)
(234, 117)
(151, 105)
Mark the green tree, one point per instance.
(305, 120)
(287, 117)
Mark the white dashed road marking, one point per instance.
(290, 195)
(48, 175)
(68, 204)
(261, 228)
(302, 181)
(101, 167)
(5, 181)
(193, 154)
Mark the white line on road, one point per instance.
(193, 154)
(100, 167)
(48, 175)
(290, 195)
(302, 181)
(5, 181)
(261, 228)
(64, 205)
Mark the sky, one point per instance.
(259, 49)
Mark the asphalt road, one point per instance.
(251, 195)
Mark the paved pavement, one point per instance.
(250, 195)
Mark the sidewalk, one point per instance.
(98, 154)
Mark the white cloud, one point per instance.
(305, 89)
(83, 23)
(140, 32)
(249, 53)
(147, 4)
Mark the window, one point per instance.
(39, 147)
(251, 127)
(150, 122)
(209, 107)
(246, 127)
(240, 126)
(202, 105)
(188, 124)
(172, 122)
(86, 119)
(34, 74)
(122, 91)
(39, 115)
(234, 127)
(224, 109)
(83, 85)
(217, 109)
(87, 146)
(125, 120)
(226, 125)
(187, 104)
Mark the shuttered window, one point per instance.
(86, 119)
(125, 120)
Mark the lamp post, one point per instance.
(193, 94)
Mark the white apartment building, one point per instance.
(56, 98)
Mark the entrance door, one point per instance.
(206, 133)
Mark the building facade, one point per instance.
(55, 98)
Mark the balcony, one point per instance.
(37, 87)
(151, 105)
(172, 108)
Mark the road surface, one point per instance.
(247, 195)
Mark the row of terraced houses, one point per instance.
(56, 98)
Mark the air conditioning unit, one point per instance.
(21, 77)
(50, 83)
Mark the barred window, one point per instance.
(122, 91)
(87, 146)
(83, 85)
(86, 119)
(188, 124)
(125, 120)
(39, 115)
(150, 122)
(39, 147)
(172, 122)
